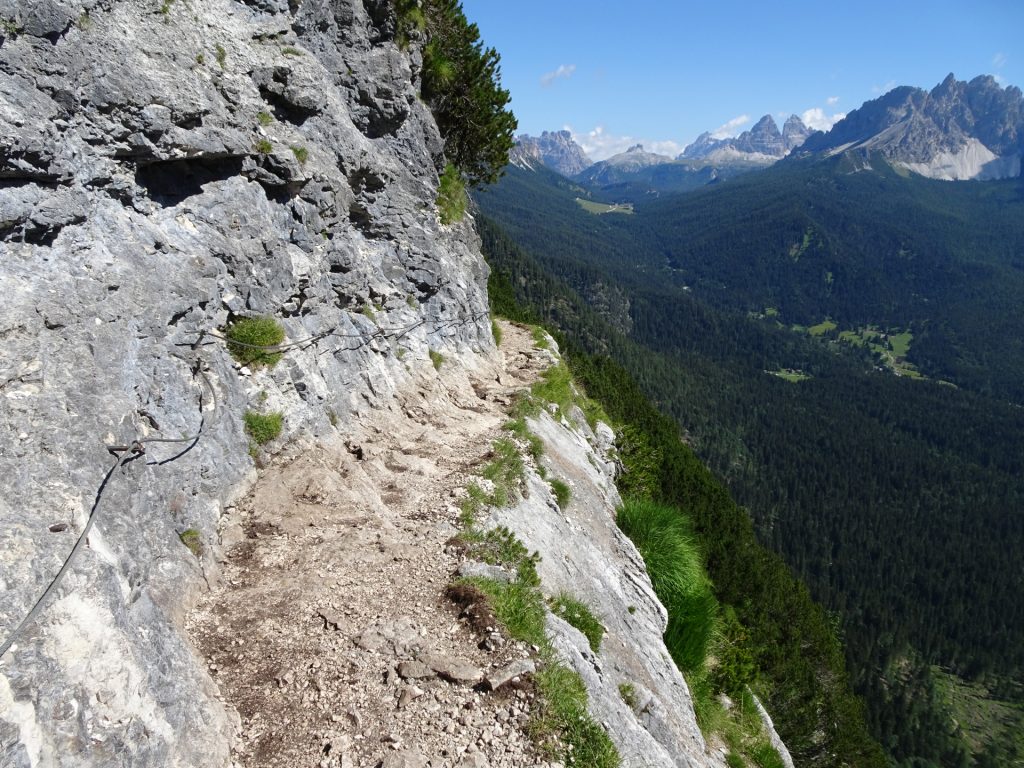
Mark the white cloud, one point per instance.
(600, 145)
(999, 60)
(817, 119)
(667, 147)
(832, 100)
(729, 129)
(564, 71)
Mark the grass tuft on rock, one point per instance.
(263, 427)
(451, 196)
(562, 491)
(192, 539)
(247, 335)
(578, 614)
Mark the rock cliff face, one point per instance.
(163, 170)
(958, 130)
(555, 149)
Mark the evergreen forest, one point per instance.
(842, 345)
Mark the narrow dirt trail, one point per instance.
(336, 565)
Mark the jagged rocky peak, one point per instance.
(763, 139)
(762, 144)
(794, 133)
(958, 130)
(555, 149)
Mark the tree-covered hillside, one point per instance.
(898, 500)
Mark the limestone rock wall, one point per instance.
(165, 166)
(584, 553)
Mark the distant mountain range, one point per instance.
(958, 131)
(763, 143)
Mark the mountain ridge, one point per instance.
(957, 131)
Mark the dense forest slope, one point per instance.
(840, 342)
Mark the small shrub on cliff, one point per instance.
(451, 196)
(462, 86)
(410, 20)
(247, 336)
(263, 427)
(436, 358)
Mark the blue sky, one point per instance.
(660, 72)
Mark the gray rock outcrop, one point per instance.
(164, 170)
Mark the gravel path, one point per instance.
(328, 629)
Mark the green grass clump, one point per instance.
(562, 491)
(245, 334)
(519, 428)
(496, 332)
(263, 427)
(627, 692)
(734, 761)
(222, 55)
(673, 560)
(562, 726)
(436, 358)
(540, 337)
(765, 755)
(191, 539)
(264, 147)
(301, 153)
(290, 50)
(518, 605)
(506, 470)
(556, 386)
(264, 118)
(451, 196)
(579, 615)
